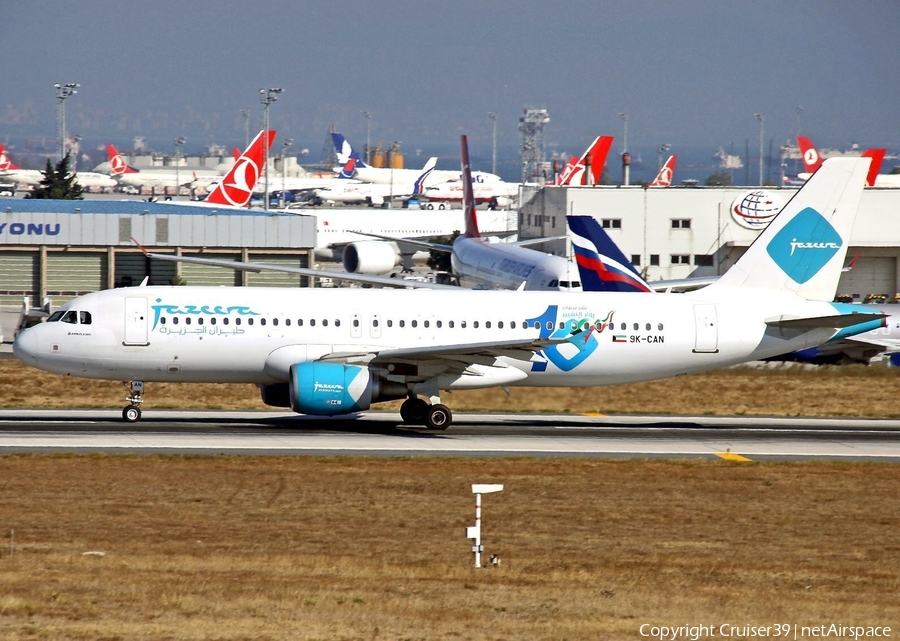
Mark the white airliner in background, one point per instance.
(153, 179)
(33, 177)
(373, 194)
(812, 161)
(333, 352)
(385, 175)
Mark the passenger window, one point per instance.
(312, 322)
(237, 321)
(162, 321)
(212, 321)
(439, 324)
(549, 325)
(402, 323)
(648, 326)
(390, 323)
(71, 318)
(275, 322)
(249, 321)
(415, 323)
(623, 327)
(187, 321)
(500, 324)
(562, 325)
(660, 327)
(174, 320)
(512, 325)
(462, 324)
(200, 321)
(287, 321)
(299, 322)
(636, 327)
(374, 322)
(487, 324)
(450, 324)
(427, 323)
(337, 322)
(262, 321)
(475, 324)
(85, 318)
(325, 322)
(226, 320)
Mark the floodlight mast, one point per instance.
(267, 97)
(475, 531)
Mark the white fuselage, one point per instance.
(385, 176)
(484, 192)
(163, 180)
(34, 177)
(353, 192)
(254, 335)
(478, 262)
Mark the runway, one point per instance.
(475, 435)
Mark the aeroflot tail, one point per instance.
(236, 187)
(664, 177)
(117, 164)
(602, 265)
(344, 151)
(803, 248)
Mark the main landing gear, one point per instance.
(416, 411)
(132, 412)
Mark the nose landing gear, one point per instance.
(132, 412)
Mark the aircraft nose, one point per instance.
(25, 347)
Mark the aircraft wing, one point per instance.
(679, 283)
(382, 281)
(435, 359)
(414, 242)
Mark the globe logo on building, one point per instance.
(755, 209)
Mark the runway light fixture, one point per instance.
(474, 532)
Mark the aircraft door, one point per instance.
(706, 337)
(136, 321)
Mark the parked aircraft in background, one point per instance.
(153, 179)
(812, 161)
(664, 177)
(385, 175)
(594, 157)
(334, 352)
(350, 192)
(12, 173)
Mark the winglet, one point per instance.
(236, 188)
(468, 192)
(141, 247)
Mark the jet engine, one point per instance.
(325, 389)
(370, 257)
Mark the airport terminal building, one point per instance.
(676, 232)
(59, 249)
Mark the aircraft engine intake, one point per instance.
(370, 257)
(325, 389)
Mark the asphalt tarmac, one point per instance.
(474, 435)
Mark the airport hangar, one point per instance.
(59, 249)
(676, 232)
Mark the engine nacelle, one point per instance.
(370, 257)
(325, 389)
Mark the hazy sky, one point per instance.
(688, 72)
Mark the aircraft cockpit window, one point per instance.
(55, 316)
(576, 284)
(553, 283)
(71, 317)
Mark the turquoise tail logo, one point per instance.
(803, 247)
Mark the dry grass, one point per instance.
(789, 391)
(359, 548)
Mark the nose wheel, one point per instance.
(132, 412)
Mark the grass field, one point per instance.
(360, 548)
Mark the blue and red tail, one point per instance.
(468, 201)
(344, 151)
(602, 265)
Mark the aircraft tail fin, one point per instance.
(664, 177)
(117, 164)
(344, 151)
(602, 265)
(877, 156)
(236, 187)
(235, 153)
(811, 159)
(5, 163)
(419, 184)
(594, 157)
(468, 201)
(348, 170)
(803, 248)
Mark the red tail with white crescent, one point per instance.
(117, 164)
(664, 177)
(5, 163)
(811, 158)
(594, 156)
(877, 156)
(236, 187)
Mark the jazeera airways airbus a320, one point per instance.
(333, 352)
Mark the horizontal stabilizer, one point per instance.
(838, 321)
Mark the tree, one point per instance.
(59, 183)
(720, 178)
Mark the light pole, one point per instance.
(663, 148)
(62, 92)
(267, 97)
(368, 116)
(493, 116)
(762, 119)
(180, 140)
(75, 147)
(624, 117)
(285, 144)
(246, 114)
(799, 111)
